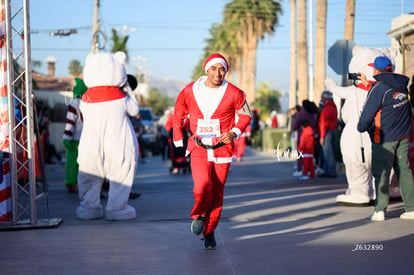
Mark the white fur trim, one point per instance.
(224, 160)
(215, 61)
(207, 108)
(207, 141)
(236, 131)
(179, 143)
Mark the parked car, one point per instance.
(149, 139)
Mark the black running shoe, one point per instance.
(197, 225)
(210, 241)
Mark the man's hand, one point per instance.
(364, 79)
(226, 138)
(321, 141)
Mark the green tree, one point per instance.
(267, 99)
(252, 20)
(119, 44)
(36, 64)
(158, 102)
(222, 41)
(75, 68)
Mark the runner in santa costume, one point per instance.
(108, 147)
(212, 104)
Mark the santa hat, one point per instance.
(215, 58)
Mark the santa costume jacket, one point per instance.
(188, 102)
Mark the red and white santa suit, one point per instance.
(212, 112)
(108, 146)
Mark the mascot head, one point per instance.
(363, 56)
(80, 88)
(104, 69)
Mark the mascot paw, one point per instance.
(128, 213)
(330, 84)
(89, 213)
(353, 200)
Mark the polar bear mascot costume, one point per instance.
(355, 146)
(108, 147)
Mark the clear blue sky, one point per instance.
(170, 34)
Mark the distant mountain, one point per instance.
(167, 86)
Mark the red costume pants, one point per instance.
(209, 179)
(240, 144)
(308, 167)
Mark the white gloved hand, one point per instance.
(330, 84)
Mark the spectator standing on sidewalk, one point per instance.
(309, 113)
(212, 104)
(387, 118)
(319, 160)
(293, 112)
(241, 142)
(50, 151)
(327, 124)
(164, 132)
(273, 119)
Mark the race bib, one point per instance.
(208, 128)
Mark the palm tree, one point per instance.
(293, 64)
(75, 68)
(119, 43)
(349, 20)
(320, 48)
(349, 29)
(221, 41)
(303, 85)
(36, 64)
(252, 19)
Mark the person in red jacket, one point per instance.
(241, 142)
(307, 148)
(212, 104)
(273, 119)
(327, 124)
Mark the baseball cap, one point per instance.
(381, 63)
(326, 94)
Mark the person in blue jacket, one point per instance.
(387, 116)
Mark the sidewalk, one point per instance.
(272, 223)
